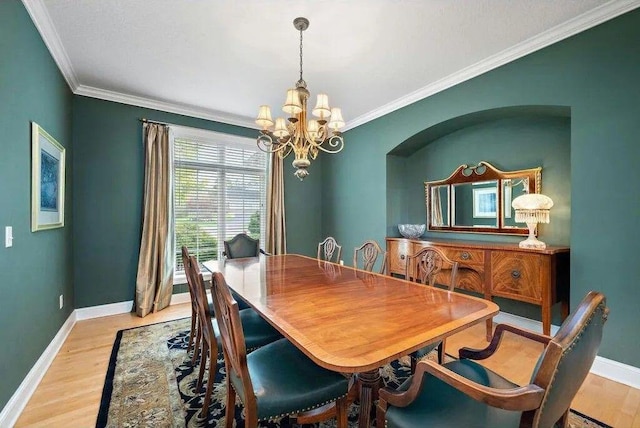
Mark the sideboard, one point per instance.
(494, 269)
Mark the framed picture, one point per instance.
(47, 180)
(485, 202)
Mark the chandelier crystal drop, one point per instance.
(305, 138)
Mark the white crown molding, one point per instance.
(560, 32)
(604, 367)
(41, 19)
(192, 111)
(16, 404)
(605, 12)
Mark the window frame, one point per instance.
(204, 136)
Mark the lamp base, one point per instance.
(532, 243)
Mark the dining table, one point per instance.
(349, 320)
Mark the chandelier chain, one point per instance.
(301, 55)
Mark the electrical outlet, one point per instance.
(61, 301)
(341, 262)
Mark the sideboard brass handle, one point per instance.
(401, 256)
(515, 274)
(465, 255)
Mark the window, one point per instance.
(219, 191)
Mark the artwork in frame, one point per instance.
(47, 180)
(485, 202)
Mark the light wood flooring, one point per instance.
(69, 394)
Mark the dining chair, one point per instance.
(426, 266)
(258, 332)
(241, 246)
(328, 248)
(366, 255)
(276, 380)
(464, 393)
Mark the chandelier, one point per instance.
(304, 138)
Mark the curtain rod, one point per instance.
(145, 120)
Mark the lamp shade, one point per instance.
(293, 105)
(313, 129)
(322, 109)
(264, 117)
(336, 121)
(281, 128)
(532, 207)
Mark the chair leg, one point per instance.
(196, 350)
(203, 363)
(414, 363)
(381, 412)
(563, 422)
(341, 412)
(192, 332)
(213, 367)
(230, 412)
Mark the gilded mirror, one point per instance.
(478, 199)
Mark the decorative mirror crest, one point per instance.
(477, 199)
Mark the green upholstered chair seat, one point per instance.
(257, 332)
(241, 303)
(440, 405)
(285, 381)
(424, 351)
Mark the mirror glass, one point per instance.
(440, 205)
(478, 199)
(511, 189)
(475, 204)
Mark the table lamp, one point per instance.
(532, 208)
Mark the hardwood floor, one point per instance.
(69, 394)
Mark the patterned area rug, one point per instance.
(151, 383)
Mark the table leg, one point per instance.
(369, 385)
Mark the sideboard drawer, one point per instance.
(517, 275)
(465, 256)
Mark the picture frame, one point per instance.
(485, 202)
(47, 180)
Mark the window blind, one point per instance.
(219, 191)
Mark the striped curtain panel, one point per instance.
(154, 282)
(276, 227)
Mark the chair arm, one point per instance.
(481, 354)
(521, 398)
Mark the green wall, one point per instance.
(107, 206)
(595, 74)
(37, 269)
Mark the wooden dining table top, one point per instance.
(346, 319)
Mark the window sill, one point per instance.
(179, 278)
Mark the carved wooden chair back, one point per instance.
(567, 359)
(194, 335)
(241, 245)
(209, 348)
(366, 256)
(329, 248)
(430, 264)
(232, 338)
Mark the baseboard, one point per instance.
(104, 310)
(604, 367)
(20, 398)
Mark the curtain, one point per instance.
(154, 282)
(276, 228)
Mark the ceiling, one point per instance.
(221, 59)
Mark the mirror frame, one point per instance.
(484, 171)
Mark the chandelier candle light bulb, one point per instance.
(304, 137)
